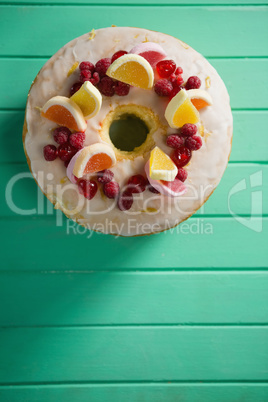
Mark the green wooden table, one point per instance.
(179, 316)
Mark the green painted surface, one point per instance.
(180, 316)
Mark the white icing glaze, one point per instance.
(204, 170)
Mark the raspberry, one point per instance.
(66, 152)
(174, 92)
(193, 83)
(182, 174)
(188, 130)
(102, 66)
(50, 152)
(105, 176)
(176, 80)
(181, 156)
(77, 140)
(118, 54)
(163, 87)
(193, 143)
(125, 201)
(95, 78)
(107, 86)
(153, 190)
(61, 135)
(111, 189)
(165, 68)
(75, 88)
(174, 141)
(86, 65)
(85, 75)
(88, 188)
(178, 71)
(136, 184)
(121, 89)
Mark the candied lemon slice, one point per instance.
(133, 70)
(180, 110)
(94, 158)
(64, 112)
(199, 98)
(89, 99)
(161, 166)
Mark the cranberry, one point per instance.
(95, 78)
(182, 174)
(174, 141)
(165, 68)
(88, 188)
(194, 143)
(77, 140)
(66, 152)
(61, 135)
(181, 156)
(50, 152)
(86, 65)
(121, 89)
(188, 130)
(102, 66)
(105, 176)
(136, 184)
(111, 189)
(125, 201)
(85, 75)
(193, 83)
(153, 190)
(163, 87)
(107, 86)
(118, 54)
(75, 88)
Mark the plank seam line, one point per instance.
(133, 5)
(136, 325)
(142, 271)
(134, 382)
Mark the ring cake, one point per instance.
(127, 131)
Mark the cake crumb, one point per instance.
(113, 26)
(184, 44)
(63, 180)
(136, 36)
(201, 130)
(208, 82)
(92, 34)
(38, 108)
(145, 40)
(207, 135)
(149, 210)
(72, 69)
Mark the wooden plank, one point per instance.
(218, 242)
(136, 393)
(32, 355)
(130, 298)
(210, 20)
(222, 201)
(244, 144)
(139, 2)
(235, 73)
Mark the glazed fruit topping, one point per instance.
(50, 152)
(75, 87)
(182, 174)
(102, 66)
(77, 140)
(118, 54)
(85, 75)
(88, 188)
(178, 71)
(95, 79)
(165, 68)
(111, 189)
(181, 156)
(136, 184)
(125, 201)
(86, 65)
(61, 135)
(163, 87)
(188, 130)
(153, 190)
(193, 143)
(105, 176)
(193, 83)
(66, 152)
(174, 141)
(106, 86)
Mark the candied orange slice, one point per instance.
(199, 98)
(94, 158)
(161, 166)
(133, 70)
(64, 112)
(89, 99)
(180, 110)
